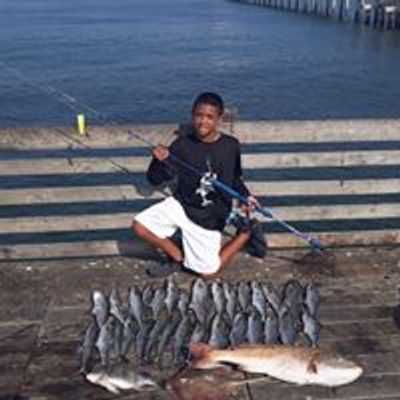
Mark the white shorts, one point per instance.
(201, 246)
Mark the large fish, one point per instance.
(295, 364)
(121, 377)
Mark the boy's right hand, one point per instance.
(161, 153)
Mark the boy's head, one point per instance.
(207, 112)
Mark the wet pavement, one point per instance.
(45, 309)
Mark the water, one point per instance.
(145, 61)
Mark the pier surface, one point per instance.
(45, 310)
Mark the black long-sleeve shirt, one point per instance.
(207, 208)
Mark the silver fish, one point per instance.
(147, 295)
(88, 344)
(172, 294)
(258, 299)
(118, 330)
(116, 306)
(287, 328)
(231, 300)
(154, 335)
(142, 336)
(271, 328)
(255, 327)
(167, 333)
(293, 301)
(199, 300)
(219, 335)
(121, 377)
(238, 334)
(158, 301)
(136, 304)
(312, 299)
(199, 334)
(218, 297)
(100, 307)
(244, 295)
(131, 328)
(183, 302)
(105, 340)
(182, 336)
(272, 295)
(312, 328)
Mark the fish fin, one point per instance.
(232, 365)
(312, 367)
(199, 350)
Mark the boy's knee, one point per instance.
(138, 228)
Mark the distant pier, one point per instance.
(380, 14)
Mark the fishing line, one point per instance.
(77, 106)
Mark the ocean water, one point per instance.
(144, 61)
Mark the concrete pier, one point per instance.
(381, 14)
(66, 204)
(65, 195)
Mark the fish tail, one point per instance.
(200, 355)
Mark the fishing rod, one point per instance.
(76, 105)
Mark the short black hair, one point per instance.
(210, 98)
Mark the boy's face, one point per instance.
(206, 120)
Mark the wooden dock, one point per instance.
(381, 14)
(65, 195)
(45, 310)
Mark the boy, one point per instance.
(196, 207)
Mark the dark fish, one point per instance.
(258, 299)
(293, 301)
(312, 328)
(167, 333)
(231, 301)
(199, 334)
(131, 328)
(172, 294)
(154, 335)
(272, 295)
(136, 304)
(238, 334)
(199, 300)
(116, 306)
(312, 299)
(100, 307)
(219, 335)
(287, 328)
(271, 328)
(105, 340)
(147, 295)
(255, 327)
(142, 336)
(183, 302)
(158, 301)
(182, 336)
(218, 297)
(88, 344)
(244, 295)
(118, 330)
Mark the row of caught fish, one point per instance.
(220, 314)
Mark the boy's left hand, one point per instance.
(252, 204)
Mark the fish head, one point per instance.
(335, 370)
(102, 379)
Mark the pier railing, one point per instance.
(384, 14)
(65, 195)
